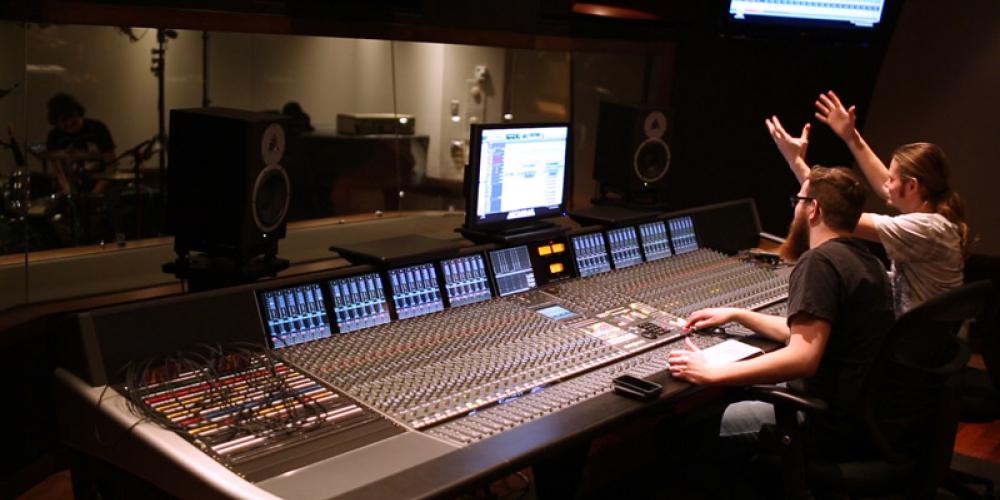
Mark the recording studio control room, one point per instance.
(552, 249)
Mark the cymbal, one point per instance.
(70, 155)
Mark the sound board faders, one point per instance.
(429, 370)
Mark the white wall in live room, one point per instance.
(110, 74)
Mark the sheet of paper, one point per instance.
(729, 351)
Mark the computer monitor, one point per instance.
(590, 254)
(465, 280)
(359, 302)
(512, 270)
(295, 315)
(682, 235)
(849, 14)
(655, 242)
(624, 245)
(518, 174)
(415, 290)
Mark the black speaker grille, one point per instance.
(652, 160)
(271, 196)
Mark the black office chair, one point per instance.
(909, 408)
(980, 400)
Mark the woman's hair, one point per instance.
(927, 163)
(62, 104)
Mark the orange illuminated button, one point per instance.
(558, 247)
(556, 268)
(545, 250)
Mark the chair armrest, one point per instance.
(783, 396)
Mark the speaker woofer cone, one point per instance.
(271, 197)
(652, 160)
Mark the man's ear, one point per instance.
(815, 211)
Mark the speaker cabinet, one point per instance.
(228, 193)
(632, 155)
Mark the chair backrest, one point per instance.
(910, 394)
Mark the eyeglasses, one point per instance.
(795, 199)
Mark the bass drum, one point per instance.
(22, 188)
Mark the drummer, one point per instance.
(75, 140)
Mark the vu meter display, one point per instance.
(512, 269)
(655, 242)
(682, 234)
(624, 247)
(591, 255)
(359, 302)
(465, 280)
(415, 290)
(295, 315)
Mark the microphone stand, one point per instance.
(159, 63)
(139, 153)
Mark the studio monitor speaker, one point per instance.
(228, 194)
(632, 155)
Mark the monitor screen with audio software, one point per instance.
(624, 245)
(359, 302)
(512, 270)
(682, 235)
(415, 290)
(517, 174)
(655, 242)
(465, 280)
(859, 14)
(590, 253)
(295, 315)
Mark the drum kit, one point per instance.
(65, 203)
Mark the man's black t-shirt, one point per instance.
(843, 283)
(93, 135)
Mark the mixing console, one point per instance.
(460, 348)
(468, 372)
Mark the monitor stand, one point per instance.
(511, 235)
(611, 216)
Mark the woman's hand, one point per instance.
(791, 148)
(832, 112)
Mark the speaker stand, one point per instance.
(208, 272)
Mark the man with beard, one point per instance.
(839, 311)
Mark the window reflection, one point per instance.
(105, 190)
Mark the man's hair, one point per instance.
(840, 194)
(62, 105)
